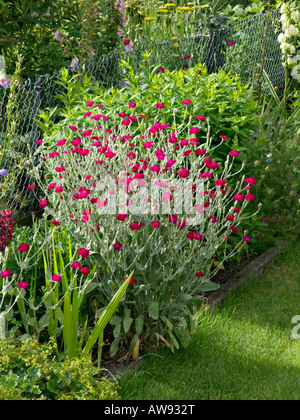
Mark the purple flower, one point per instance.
(3, 171)
(57, 36)
(5, 83)
(74, 63)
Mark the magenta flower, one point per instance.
(51, 186)
(117, 246)
(187, 57)
(75, 265)
(250, 180)
(135, 226)
(160, 105)
(250, 197)
(246, 238)
(59, 189)
(231, 43)
(43, 204)
(90, 103)
(132, 105)
(199, 274)
(23, 247)
(6, 273)
(238, 197)
(186, 102)
(23, 285)
(61, 142)
(85, 271)
(194, 130)
(84, 253)
(160, 70)
(31, 187)
(131, 281)
(200, 118)
(121, 217)
(184, 173)
(234, 153)
(56, 277)
(55, 222)
(155, 224)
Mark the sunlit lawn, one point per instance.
(242, 350)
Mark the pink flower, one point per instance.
(60, 169)
(121, 217)
(72, 127)
(234, 153)
(160, 105)
(127, 42)
(250, 180)
(23, 285)
(220, 182)
(56, 277)
(117, 246)
(230, 217)
(39, 141)
(238, 197)
(187, 57)
(55, 222)
(135, 226)
(52, 186)
(61, 142)
(155, 224)
(250, 197)
(234, 229)
(132, 104)
(184, 173)
(197, 236)
(166, 197)
(170, 162)
(160, 70)
(31, 187)
(126, 122)
(43, 204)
(75, 265)
(59, 189)
(90, 103)
(6, 273)
(85, 271)
(131, 281)
(122, 114)
(194, 130)
(230, 44)
(186, 102)
(199, 274)
(84, 253)
(201, 118)
(246, 238)
(86, 133)
(224, 138)
(23, 247)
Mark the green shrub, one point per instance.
(33, 371)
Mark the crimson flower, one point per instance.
(23, 247)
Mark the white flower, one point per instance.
(284, 8)
(281, 38)
(295, 15)
(292, 49)
(284, 18)
(291, 31)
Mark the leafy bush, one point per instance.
(132, 151)
(33, 371)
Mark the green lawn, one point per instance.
(241, 351)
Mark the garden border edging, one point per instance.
(254, 269)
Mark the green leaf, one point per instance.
(153, 310)
(127, 324)
(139, 324)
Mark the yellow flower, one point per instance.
(184, 8)
(175, 45)
(169, 4)
(162, 10)
(149, 18)
(174, 38)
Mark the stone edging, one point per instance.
(254, 269)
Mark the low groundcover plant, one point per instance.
(97, 186)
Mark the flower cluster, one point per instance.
(6, 229)
(290, 31)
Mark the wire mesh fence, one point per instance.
(19, 131)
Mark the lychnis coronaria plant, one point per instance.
(144, 197)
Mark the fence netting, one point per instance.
(19, 131)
